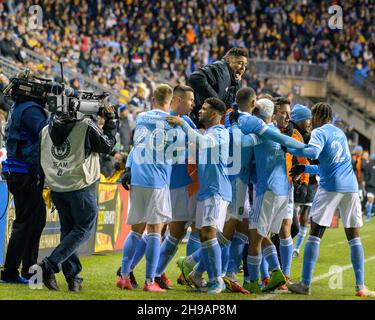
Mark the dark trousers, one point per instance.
(77, 213)
(27, 228)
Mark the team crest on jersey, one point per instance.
(61, 152)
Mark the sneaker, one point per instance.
(216, 286)
(185, 270)
(152, 287)
(124, 283)
(276, 280)
(265, 281)
(299, 288)
(180, 280)
(283, 287)
(167, 281)
(161, 283)
(18, 280)
(234, 286)
(365, 292)
(197, 281)
(295, 254)
(253, 287)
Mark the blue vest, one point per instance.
(21, 145)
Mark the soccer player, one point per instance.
(150, 204)
(283, 241)
(182, 103)
(270, 205)
(237, 219)
(215, 191)
(338, 188)
(305, 184)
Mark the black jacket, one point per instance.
(214, 80)
(369, 174)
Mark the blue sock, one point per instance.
(300, 237)
(225, 247)
(128, 251)
(236, 252)
(200, 267)
(357, 258)
(309, 259)
(270, 254)
(369, 210)
(253, 265)
(286, 253)
(139, 252)
(211, 253)
(193, 244)
(152, 254)
(264, 268)
(167, 251)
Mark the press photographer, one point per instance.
(24, 177)
(70, 150)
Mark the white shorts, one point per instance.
(192, 207)
(325, 204)
(180, 204)
(268, 213)
(148, 205)
(290, 211)
(239, 207)
(211, 213)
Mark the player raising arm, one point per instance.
(338, 189)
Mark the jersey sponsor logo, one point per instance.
(61, 152)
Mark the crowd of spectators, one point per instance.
(130, 45)
(117, 42)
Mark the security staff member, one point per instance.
(70, 160)
(25, 181)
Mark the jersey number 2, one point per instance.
(341, 154)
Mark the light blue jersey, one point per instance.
(271, 168)
(246, 147)
(147, 159)
(180, 175)
(213, 149)
(335, 162)
(251, 124)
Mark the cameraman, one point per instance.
(70, 160)
(25, 181)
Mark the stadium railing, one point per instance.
(8, 67)
(71, 74)
(352, 87)
(291, 70)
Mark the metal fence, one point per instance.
(355, 79)
(290, 70)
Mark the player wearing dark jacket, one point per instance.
(221, 79)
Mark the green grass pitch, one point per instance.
(99, 276)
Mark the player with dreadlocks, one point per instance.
(338, 189)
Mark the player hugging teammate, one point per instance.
(248, 150)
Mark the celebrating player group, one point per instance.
(237, 184)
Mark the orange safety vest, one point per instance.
(303, 177)
(358, 166)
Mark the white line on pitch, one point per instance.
(318, 278)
